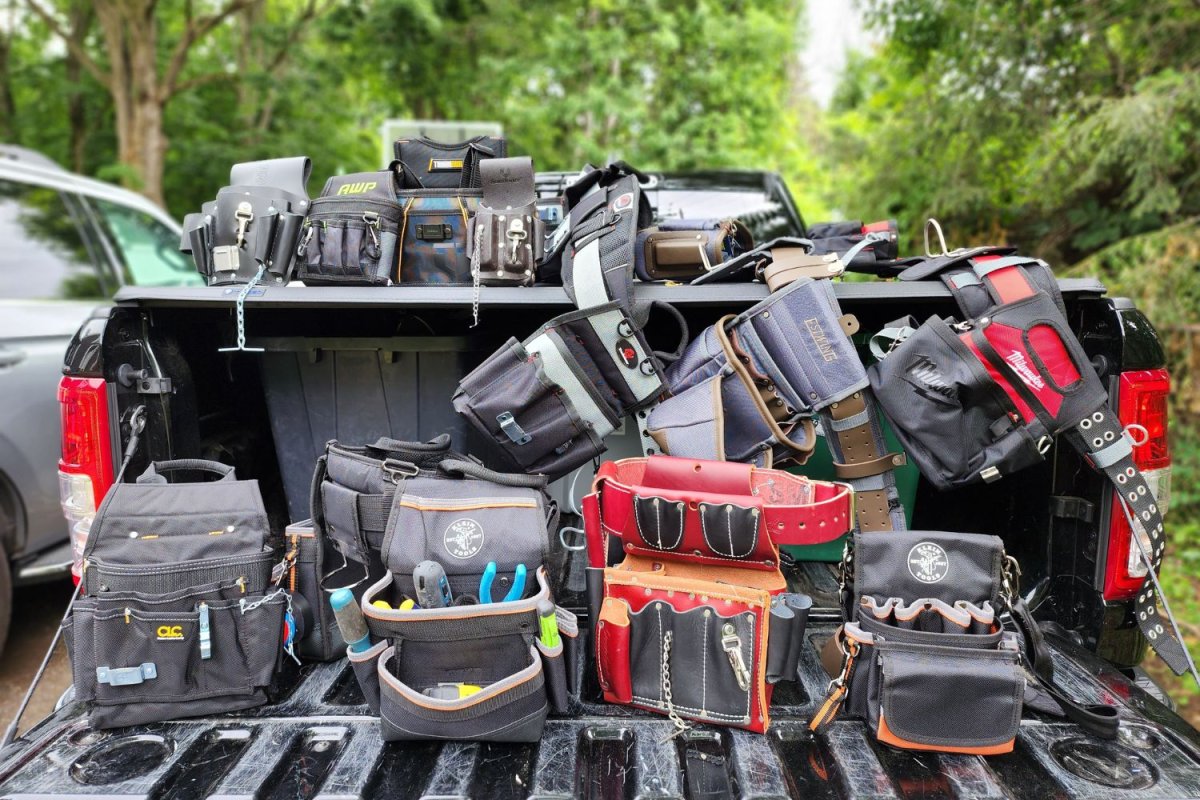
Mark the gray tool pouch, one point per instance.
(549, 402)
(743, 388)
(179, 617)
(463, 524)
(352, 234)
(495, 647)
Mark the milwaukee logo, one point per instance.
(1029, 377)
(357, 188)
(924, 374)
(824, 347)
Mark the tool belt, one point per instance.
(426, 164)
(974, 401)
(505, 238)
(843, 239)
(548, 402)
(695, 622)
(254, 223)
(748, 388)
(682, 249)
(351, 236)
(179, 616)
(925, 659)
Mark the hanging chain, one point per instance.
(241, 315)
(475, 269)
(680, 725)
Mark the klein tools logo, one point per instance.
(357, 188)
(169, 633)
(824, 346)
(1028, 375)
(927, 562)
(463, 538)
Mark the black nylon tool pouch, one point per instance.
(439, 165)
(548, 403)
(179, 617)
(929, 666)
(495, 648)
(351, 236)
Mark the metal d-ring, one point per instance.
(937, 228)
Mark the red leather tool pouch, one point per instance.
(689, 642)
(712, 513)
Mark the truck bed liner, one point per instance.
(320, 742)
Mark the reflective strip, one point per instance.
(587, 277)
(1107, 456)
(983, 268)
(559, 371)
(861, 418)
(605, 326)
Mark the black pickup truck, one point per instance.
(357, 363)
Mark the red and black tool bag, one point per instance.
(977, 400)
(695, 621)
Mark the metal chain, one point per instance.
(247, 607)
(680, 725)
(475, 269)
(241, 315)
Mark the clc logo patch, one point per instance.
(463, 538)
(927, 562)
(357, 188)
(170, 633)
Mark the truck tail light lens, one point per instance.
(85, 470)
(1141, 400)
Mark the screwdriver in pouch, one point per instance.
(350, 620)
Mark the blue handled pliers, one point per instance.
(489, 575)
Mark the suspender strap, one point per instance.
(855, 438)
(1097, 437)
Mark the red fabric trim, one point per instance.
(1022, 407)
(1009, 344)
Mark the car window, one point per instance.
(44, 255)
(148, 249)
(762, 214)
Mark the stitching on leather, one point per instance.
(637, 518)
(729, 525)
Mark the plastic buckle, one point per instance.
(512, 429)
(126, 676)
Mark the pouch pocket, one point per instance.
(349, 247)
(366, 670)
(510, 706)
(530, 417)
(554, 667)
(699, 648)
(948, 699)
(250, 573)
(948, 413)
(433, 247)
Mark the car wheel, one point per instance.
(6, 592)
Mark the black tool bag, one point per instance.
(842, 238)
(307, 558)
(494, 648)
(353, 486)
(179, 615)
(426, 164)
(926, 660)
(548, 402)
(979, 399)
(352, 234)
(253, 224)
(505, 238)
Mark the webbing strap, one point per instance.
(1095, 436)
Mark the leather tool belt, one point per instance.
(505, 238)
(976, 400)
(695, 622)
(749, 388)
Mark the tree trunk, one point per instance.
(8, 106)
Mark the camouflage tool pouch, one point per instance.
(433, 235)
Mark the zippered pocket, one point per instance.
(252, 573)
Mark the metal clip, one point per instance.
(732, 644)
(512, 429)
(244, 215)
(396, 469)
(205, 633)
(305, 239)
(516, 234)
(127, 676)
(372, 220)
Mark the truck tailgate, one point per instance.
(320, 742)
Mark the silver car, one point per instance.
(67, 243)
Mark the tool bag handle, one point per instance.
(153, 473)
(469, 469)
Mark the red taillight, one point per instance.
(85, 470)
(1142, 400)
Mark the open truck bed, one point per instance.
(354, 364)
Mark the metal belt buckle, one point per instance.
(512, 428)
